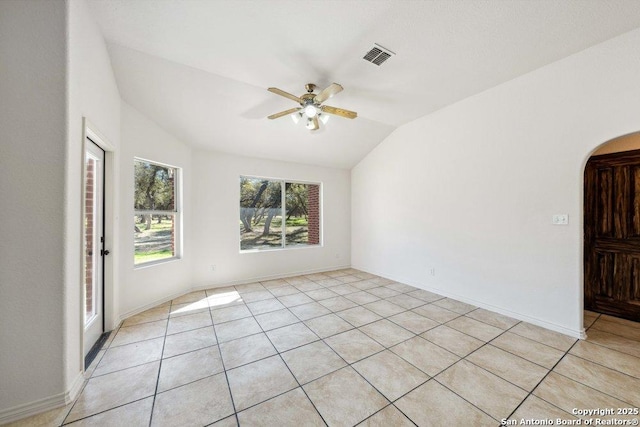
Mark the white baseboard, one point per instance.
(130, 313)
(43, 405)
(75, 389)
(146, 307)
(574, 333)
(266, 278)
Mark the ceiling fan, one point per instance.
(311, 105)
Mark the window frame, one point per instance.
(283, 201)
(176, 213)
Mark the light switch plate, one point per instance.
(560, 219)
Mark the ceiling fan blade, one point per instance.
(339, 112)
(284, 113)
(327, 93)
(285, 94)
(312, 124)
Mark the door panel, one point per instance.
(94, 245)
(612, 234)
(635, 218)
(604, 219)
(620, 193)
(634, 290)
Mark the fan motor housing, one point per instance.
(308, 99)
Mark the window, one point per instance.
(275, 214)
(157, 212)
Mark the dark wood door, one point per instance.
(612, 234)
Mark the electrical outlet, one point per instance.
(337, 256)
(432, 271)
(560, 219)
(213, 267)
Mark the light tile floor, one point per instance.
(347, 348)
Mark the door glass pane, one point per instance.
(91, 246)
(260, 214)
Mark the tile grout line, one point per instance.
(589, 386)
(498, 376)
(106, 410)
(605, 366)
(381, 318)
(98, 376)
(217, 343)
(480, 367)
(322, 339)
(595, 389)
(460, 315)
(541, 381)
(224, 370)
(385, 407)
(464, 358)
(332, 312)
(164, 341)
(279, 354)
(613, 333)
(387, 318)
(350, 365)
(517, 355)
(86, 380)
(392, 403)
(466, 400)
(609, 349)
(414, 388)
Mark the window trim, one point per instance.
(283, 183)
(176, 213)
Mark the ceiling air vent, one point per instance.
(378, 54)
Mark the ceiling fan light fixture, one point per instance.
(309, 124)
(311, 106)
(310, 111)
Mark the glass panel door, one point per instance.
(93, 244)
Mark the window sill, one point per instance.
(287, 248)
(148, 264)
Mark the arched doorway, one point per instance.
(612, 229)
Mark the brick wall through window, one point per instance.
(89, 218)
(314, 214)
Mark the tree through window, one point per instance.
(156, 213)
(276, 214)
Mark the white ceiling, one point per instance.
(200, 69)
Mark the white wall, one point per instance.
(470, 190)
(92, 94)
(143, 287)
(55, 71)
(215, 207)
(32, 150)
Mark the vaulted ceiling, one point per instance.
(200, 69)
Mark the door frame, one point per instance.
(583, 170)
(90, 131)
